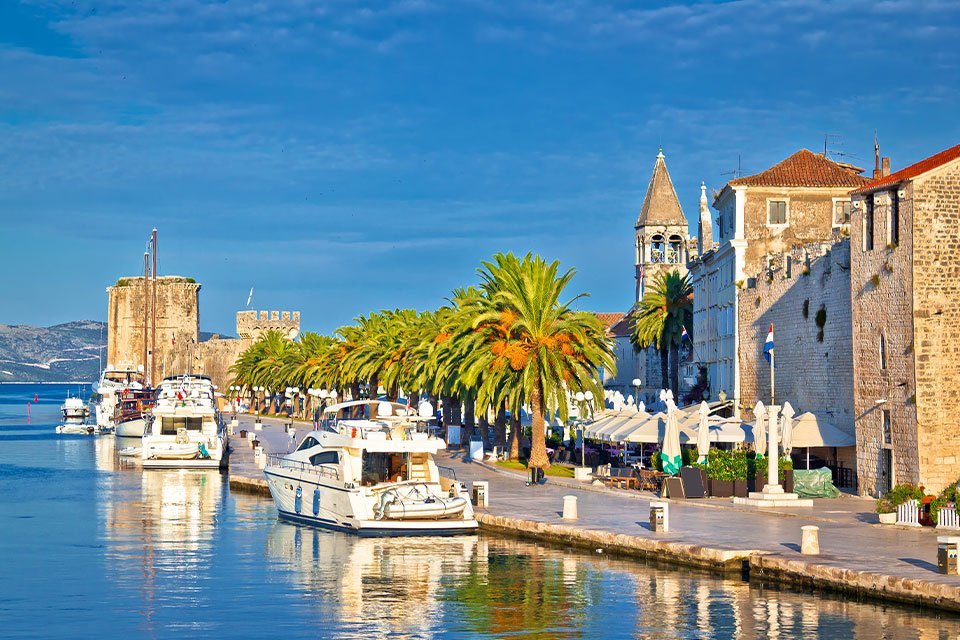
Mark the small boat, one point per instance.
(372, 475)
(75, 413)
(131, 412)
(113, 382)
(184, 429)
(130, 452)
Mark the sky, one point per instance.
(342, 157)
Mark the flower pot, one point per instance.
(788, 480)
(740, 488)
(721, 488)
(888, 518)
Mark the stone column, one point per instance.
(773, 455)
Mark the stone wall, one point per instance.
(881, 289)
(178, 317)
(814, 363)
(935, 200)
(809, 214)
(250, 324)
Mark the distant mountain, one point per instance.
(61, 353)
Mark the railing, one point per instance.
(908, 513)
(324, 471)
(447, 472)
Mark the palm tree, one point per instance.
(661, 316)
(549, 348)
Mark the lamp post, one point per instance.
(637, 383)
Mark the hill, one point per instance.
(62, 353)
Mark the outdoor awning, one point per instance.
(809, 431)
(617, 434)
(590, 430)
(729, 430)
(651, 430)
(612, 425)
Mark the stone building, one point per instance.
(130, 326)
(662, 244)
(250, 324)
(802, 199)
(905, 291)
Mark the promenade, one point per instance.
(896, 563)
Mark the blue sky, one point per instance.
(342, 157)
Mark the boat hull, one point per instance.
(392, 529)
(131, 428)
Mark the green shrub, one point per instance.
(656, 462)
(758, 465)
(948, 497)
(689, 456)
(889, 501)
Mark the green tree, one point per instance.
(660, 318)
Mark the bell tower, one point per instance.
(662, 235)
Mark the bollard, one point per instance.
(257, 426)
(810, 540)
(481, 493)
(659, 516)
(569, 507)
(947, 554)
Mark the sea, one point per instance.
(91, 546)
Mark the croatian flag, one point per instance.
(683, 334)
(768, 345)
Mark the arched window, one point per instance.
(675, 252)
(657, 249)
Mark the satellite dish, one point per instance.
(384, 409)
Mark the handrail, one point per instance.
(447, 472)
(280, 460)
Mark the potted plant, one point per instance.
(720, 474)
(887, 504)
(738, 460)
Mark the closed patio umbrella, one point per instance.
(786, 429)
(670, 450)
(759, 429)
(703, 432)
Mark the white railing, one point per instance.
(279, 460)
(908, 513)
(948, 518)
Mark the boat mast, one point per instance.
(146, 310)
(153, 330)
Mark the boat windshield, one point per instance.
(169, 426)
(383, 467)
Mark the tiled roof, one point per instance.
(913, 170)
(609, 319)
(660, 204)
(803, 169)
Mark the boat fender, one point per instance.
(298, 499)
(203, 451)
(353, 432)
(316, 502)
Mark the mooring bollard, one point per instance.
(659, 516)
(481, 493)
(810, 540)
(570, 507)
(257, 426)
(947, 547)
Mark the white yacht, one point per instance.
(372, 475)
(113, 382)
(184, 429)
(75, 413)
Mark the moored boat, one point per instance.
(131, 412)
(184, 429)
(75, 413)
(113, 382)
(370, 475)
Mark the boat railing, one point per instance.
(324, 471)
(447, 472)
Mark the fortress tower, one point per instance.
(250, 324)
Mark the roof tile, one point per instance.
(914, 170)
(803, 169)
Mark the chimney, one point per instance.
(885, 171)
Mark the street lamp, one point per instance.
(637, 383)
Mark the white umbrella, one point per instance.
(670, 450)
(759, 429)
(703, 432)
(786, 428)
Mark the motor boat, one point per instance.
(75, 413)
(113, 382)
(369, 469)
(184, 429)
(131, 412)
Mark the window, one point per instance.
(894, 217)
(325, 457)
(868, 223)
(777, 212)
(657, 250)
(841, 212)
(883, 352)
(307, 443)
(674, 253)
(887, 427)
(170, 426)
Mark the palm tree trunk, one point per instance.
(469, 419)
(484, 430)
(675, 372)
(500, 427)
(538, 440)
(515, 429)
(664, 368)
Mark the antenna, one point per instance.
(827, 138)
(733, 172)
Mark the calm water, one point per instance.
(93, 549)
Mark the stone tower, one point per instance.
(705, 225)
(662, 235)
(178, 321)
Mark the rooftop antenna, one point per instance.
(876, 155)
(826, 139)
(733, 172)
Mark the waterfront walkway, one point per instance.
(884, 561)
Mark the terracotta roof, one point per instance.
(609, 319)
(913, 170)
(660, 204)
(803, 169)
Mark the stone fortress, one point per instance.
(178, 347)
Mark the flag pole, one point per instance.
(773, 359)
